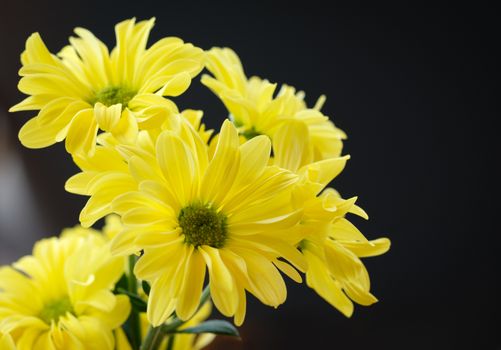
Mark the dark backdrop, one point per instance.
(414, 89)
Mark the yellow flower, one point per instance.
(85, 87)
(255, 110)
(230, 213)
(335, 271)
(6, 342)
(332, 245)
(61, 296)
(180, 341)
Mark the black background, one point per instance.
(413, 86)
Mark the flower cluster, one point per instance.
(190, 212)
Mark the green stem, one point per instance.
(170, 343)
(152, 339)
(135, 325)
(205, 296)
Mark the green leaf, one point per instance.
(220, 327)
(135, 300)
(146, 287)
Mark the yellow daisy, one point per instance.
(335, 271)
(230, 213)
(61, 296)
(332, 245)
(255, 110)
(86, 88)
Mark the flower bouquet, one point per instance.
(194, 218)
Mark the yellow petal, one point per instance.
(255, 155)
(150, 265)
(342, 229)
(288, 270)
(176, 86)
(103, 192)
(324, 171)
(124, 243)
(367, 249)
(126, 130)
(222, 286)
(107, 117)
(291, 146)
(133, 200)
(269, 224)
(266, 283)
(96, 336)
(53, 110)
(318, 278)
(143, 169)
(274, 182)
(347, 268)
(160, 191)
(160, 306)
(223, 167)
(36, 51)
(32, 135)
(81, 138)
(191, 290)
(31, 103)
(178, 166)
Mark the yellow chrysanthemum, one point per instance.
(335, 271)
(61, 296)
(179, 341)
(332, 245)
(85, 87)
(6, 342)
(230, 213)
(332, 248)
(255, 110)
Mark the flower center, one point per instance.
(53, 310)
(250, 133)
(112, 95)
(203, 225)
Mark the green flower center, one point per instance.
(112, 95)
(53, 310)
(203, 225)
(250, 133)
